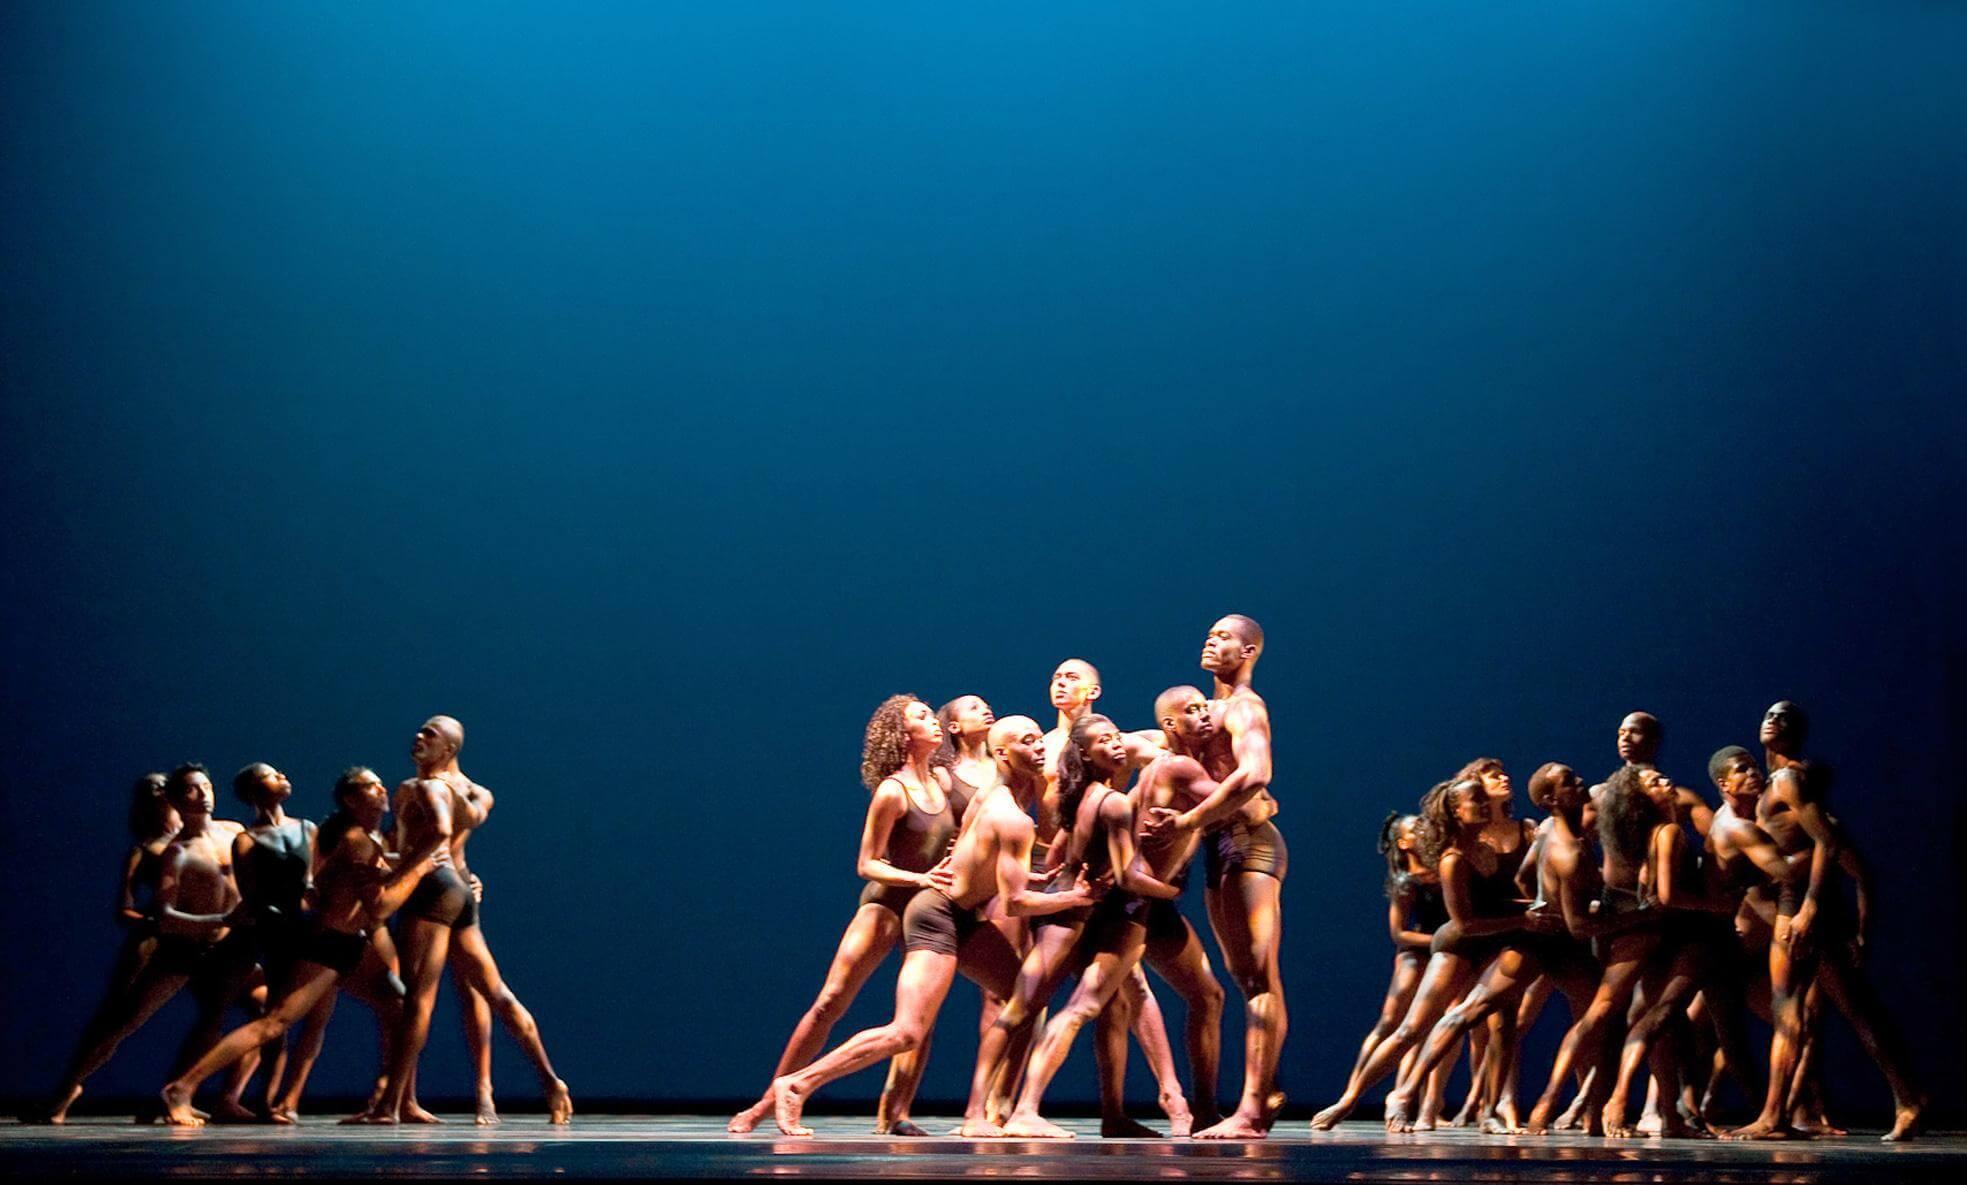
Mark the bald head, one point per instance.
(1639, 738)
(437, 743)
(1018, 745)
(448, 728)
(1233, 646)
(1170, 703)
(1075, 684)
(1555, 787)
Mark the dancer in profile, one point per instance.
(434, 810)
(273, 860)
(947, 928)
(910, 823)
(198, 942)
(1114, 935)
(1414, 912)
(1245, 860)
(358, 890)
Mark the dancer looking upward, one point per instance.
(1245, 861)
(435, 810)
(909, 825)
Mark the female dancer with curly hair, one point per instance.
(910, 822)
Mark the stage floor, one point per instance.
(697, 1148)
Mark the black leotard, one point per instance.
(917, 842)
(278, 878)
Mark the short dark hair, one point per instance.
(1722, 759)
(147, 806)
(246, 783)
(179, 778)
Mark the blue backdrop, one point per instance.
(657, 387)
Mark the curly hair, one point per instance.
(1627, 815)
(884, 749)
(1438, 823)
(147, 807)
(1076, 770)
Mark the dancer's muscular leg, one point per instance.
(1179, 958)
(869, 937)
(426, 946)
(919, 991)
(476, 1012)
(482, 973)
(1150, 1028)
(1246, 915)
(1104, 974)
(310, 984)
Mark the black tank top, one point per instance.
(919, 838)
(1426, 911)
(961, 795)
(279, 877)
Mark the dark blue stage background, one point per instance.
(656, 387)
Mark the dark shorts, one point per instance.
(1449, 940)
(1166, 927)
(231, 956)
(1114, 913)
(934, 922)
(1240, 847)
(338, 952)
(280, 939)
(893, 898)
(1066, 917)
(1560, 956)
(442, 896)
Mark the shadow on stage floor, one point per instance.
(697, 1148)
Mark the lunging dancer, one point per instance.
(910, 823)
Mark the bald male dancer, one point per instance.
(437, 809)
(947, 929)
(1245, 860)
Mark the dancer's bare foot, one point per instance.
(559, 1104)
(1035, 1127)
(485, 1112)
(1124, 1128)
(1180, 1120)
(374, 1116)
(1573, 1118)
(57, 1112)
(788, 1103)
(1761, 1129)
(413, 1112)
(1325, 1120)
(1273, 1107)
(745, 1120)
(1238, 1127)
(1539, 1121)
(1650, 1124)
(907, 1129)
(1906, 1123)
(981, 1129)
(177, 1107)
(285, 1116)
(1675, 1127)
(1399, 1110)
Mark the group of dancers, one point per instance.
(1026, 858)
(1659, 917)
(282, 915)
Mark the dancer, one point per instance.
(358, 890)
(273, 860)
(199, 941)
(153, 825)
(434, 810)
(910, 823)
(1478, 889)
(945, 929)
(1245, 860)
(1103, 840)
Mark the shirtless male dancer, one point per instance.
(357, 890)
(1245, 860)
(438, 809)
(1818, 943)
(198, 943)
(948, 928)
